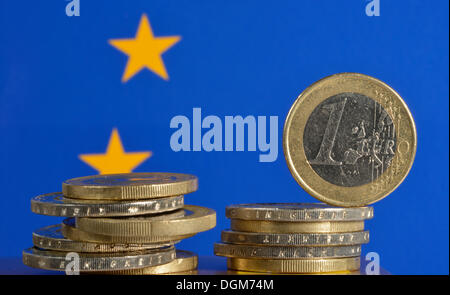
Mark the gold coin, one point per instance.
(184, 263)
(349, 140)
(285, 252)
(56, 204)
(297, 212)
(286, 227)
(345, 273)
(196, 219)
(56, 260)
(51, 238)
(129, 186)
(309, 239)
(295, 265)
(69, 231)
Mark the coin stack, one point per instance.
(119, 224)
(349, 140)
(294, 238)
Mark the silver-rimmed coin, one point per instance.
(185, 263)
(69, 231)
(51, 238)
(280, 252)
(307, 239)
(55, 204)
(308, 212)
(56, 260)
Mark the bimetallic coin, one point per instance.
(184, 263)
(55, 204)
(55, 260)
(349, 140)
(287, 227)
(311, 239)
(51, 238)
(69, 231)
(281, 252)
(129, 186)
(295, 265)
(297, 212)
(196, 219)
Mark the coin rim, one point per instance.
(244, 212)
(32, 259)
(111, 209)
(202, 219)
(286, 227)
(295, 265)
(71, 232)
(134, 191)
(248, 238)
(271, 252)
(67, 245)
(176, 266)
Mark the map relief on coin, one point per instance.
(349, 139)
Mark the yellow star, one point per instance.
(115, 160)
(144, 51)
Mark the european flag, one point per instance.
(90, 87)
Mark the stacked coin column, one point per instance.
(294, 238)
(120, 224)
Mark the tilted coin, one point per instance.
(287, 227)
(51, 238)
(295, 265)
(129, 186)
(55, 260)
(281, 252)
(297, 212)
(308, 239)
(349, 140)
(55, 204)
(185, 261)
(69, 231)
(196, 219)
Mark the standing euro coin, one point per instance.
(349, 140)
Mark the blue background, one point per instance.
(61, 95)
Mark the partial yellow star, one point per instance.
(144, 51)
(115, 160)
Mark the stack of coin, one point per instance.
(294, 238)
(119, 224)
(349, 141)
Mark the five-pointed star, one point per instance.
(144, 51)
(115, 160)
